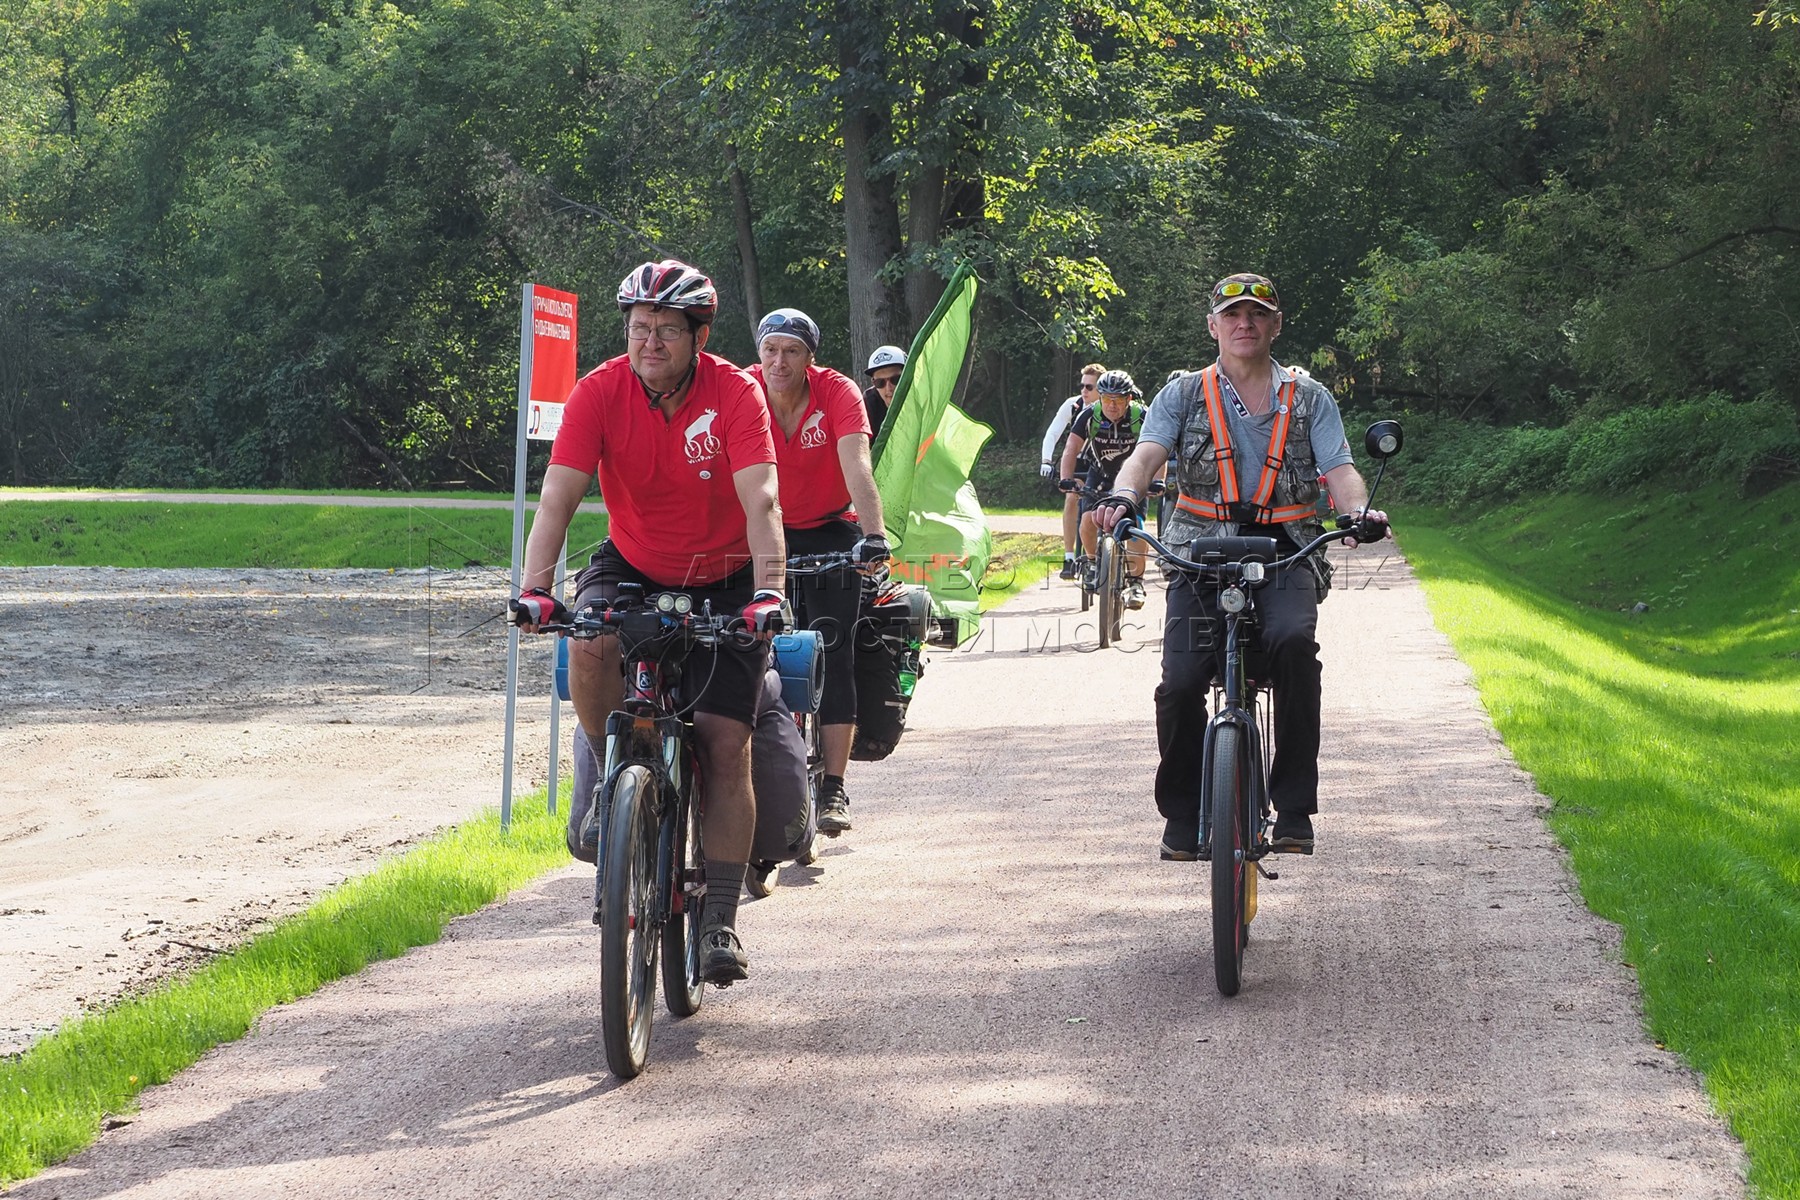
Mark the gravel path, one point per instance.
(993, 988)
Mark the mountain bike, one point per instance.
(651, 879)
(1235, 811)
(1101, 575)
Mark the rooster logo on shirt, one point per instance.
(812, 434)
(701, 442)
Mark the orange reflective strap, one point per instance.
(1202, 508)
(1223, 454)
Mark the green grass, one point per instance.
(55, 1096)
(299, 494)
(96, 533)
(1669, 742)
(1020, 560)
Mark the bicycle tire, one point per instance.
(1087, 597)
(628, 943)
(1228, 797)
(683, 989)
(1111, 578)
(805, 848)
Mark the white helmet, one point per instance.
(885, 356)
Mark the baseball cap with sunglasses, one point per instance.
(1244, 286)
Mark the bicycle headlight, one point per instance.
(1232, 599)
(665, 603)
(684, 604)
(1253, 572)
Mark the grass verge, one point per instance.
(1020, 560)
(98, 533)
(1669, 741)
(55, 1096)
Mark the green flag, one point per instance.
(923, 457)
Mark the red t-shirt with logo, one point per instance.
(672, 508)
(812, 476)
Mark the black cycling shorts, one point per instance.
(725, 681)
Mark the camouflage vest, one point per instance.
(1205, 470)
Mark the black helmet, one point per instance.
(1117, 383)
(670, 284)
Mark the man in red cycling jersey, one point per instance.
(828, 503)
(680, 440)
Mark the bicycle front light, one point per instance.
(1232, 599)
(665, 603)
(684, 603)
(1253, 572)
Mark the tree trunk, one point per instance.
(924, 218)
(746, 240)
(871, 228)
(378, 453)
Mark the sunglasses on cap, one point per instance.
(1257, 289)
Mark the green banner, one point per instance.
(923, 456)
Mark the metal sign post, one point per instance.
(546, 375)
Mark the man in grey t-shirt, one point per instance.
(1251, 391)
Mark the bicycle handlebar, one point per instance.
(1222, 554)
(597, 620)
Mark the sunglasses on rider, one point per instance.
(884, 382)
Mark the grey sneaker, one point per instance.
(834, 809)
(722, 957)
(761, 879)
(1134, 592)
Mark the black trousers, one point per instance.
(830, 604)
(1193, 656)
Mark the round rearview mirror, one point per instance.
(1383, 439)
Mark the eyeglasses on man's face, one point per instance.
(884, 382)
(1087, 387)
(654, 333)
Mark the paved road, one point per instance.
(993, 988)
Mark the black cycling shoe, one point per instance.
(834, 809)
(1181, 841)
(1293, 834)
(722, 957)
(1068, 568)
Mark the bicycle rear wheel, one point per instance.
(683, 989)
(1110, 575)
(804, 833)
(1228, 798)
(628, 943)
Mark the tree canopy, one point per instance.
(246, 243)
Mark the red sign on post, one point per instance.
(552, 344)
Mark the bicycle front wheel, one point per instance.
(1111, 577)
(803, 833)
(683, 989)
(1228, 800)
(628, 943)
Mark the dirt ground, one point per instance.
(989, 988)
(189, 754)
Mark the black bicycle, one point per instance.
(1101, 577)
(651, 879)
(1235, 811)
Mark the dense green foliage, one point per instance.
(1748, 446)
(1669, 741)
(245, 243)
(55, 1096)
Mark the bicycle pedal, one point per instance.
(1290, 849)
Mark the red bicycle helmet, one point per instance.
(670, 284)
